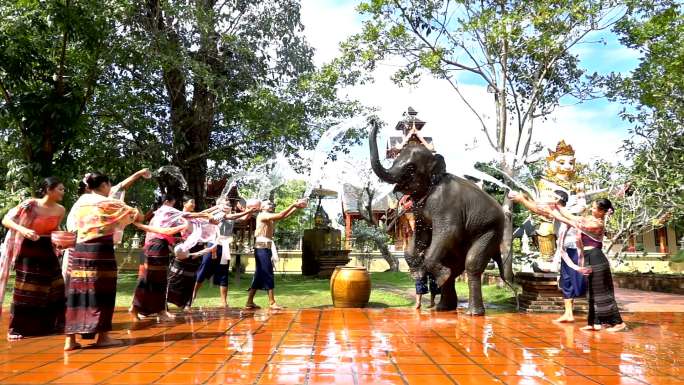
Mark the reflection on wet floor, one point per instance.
(354, 346)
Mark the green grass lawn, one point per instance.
(296, 291)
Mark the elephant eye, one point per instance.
(410, 168)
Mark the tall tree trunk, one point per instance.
(392, 261)
(507, 241)
(191, 121)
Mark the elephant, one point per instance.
(459, 227)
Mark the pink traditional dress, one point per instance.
(150, 293)
(92, 274)
(38, 299)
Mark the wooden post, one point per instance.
(631, 244)
(662, 240)
(347, 230)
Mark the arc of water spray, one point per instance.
(324, 147)
(266, 176)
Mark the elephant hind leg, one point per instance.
(477, 258)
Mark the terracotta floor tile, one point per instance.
(615, 380)
(412, 360)
(238, 366)
(124, 357)
(366, 345)
(31, 378)
(464, 369)
(469, 379)
(371, 368)
(37, 357)
(428, 379)
(656, 380)
(233, 378)
(326, 379)
(184, 378)
(570, 361)
(61, 367)
(194, 367)
(407, 369)
(593, 370)
(134, 378)
(496, 360)
(281, 379)
(83, 377)
(153, 367)
(523, 380)
(91, 357)
(110, 366)
(10, 367)
(571, 380)
(384, 379)
(456, 359)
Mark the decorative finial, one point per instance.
(561, 149)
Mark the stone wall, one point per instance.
(664, 283)
(290, 261)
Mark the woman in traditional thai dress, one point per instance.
(150, 293)
(91, 280)
(38, 299)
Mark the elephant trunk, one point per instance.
(380, 171)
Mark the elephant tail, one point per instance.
(499, 262)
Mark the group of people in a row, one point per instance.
(79, 296)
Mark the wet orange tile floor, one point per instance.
(354, 346)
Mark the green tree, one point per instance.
(519, 50)
(633, 214)
(232, 82)
(364, 190)
(52, 54)
(288, 232)
(654, 94)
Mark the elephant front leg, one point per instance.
(433, 260)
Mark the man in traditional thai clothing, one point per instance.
(216, 263)
(264, 249)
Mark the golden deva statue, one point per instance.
(560, 174)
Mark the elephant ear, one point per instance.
(438, 169)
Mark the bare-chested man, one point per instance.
(263, 274)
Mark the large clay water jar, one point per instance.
(350, 286)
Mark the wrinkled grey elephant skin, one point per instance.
(459, 227)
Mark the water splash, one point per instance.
(263, 178)
(174, 172)
(463, 164)
(324, 148)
